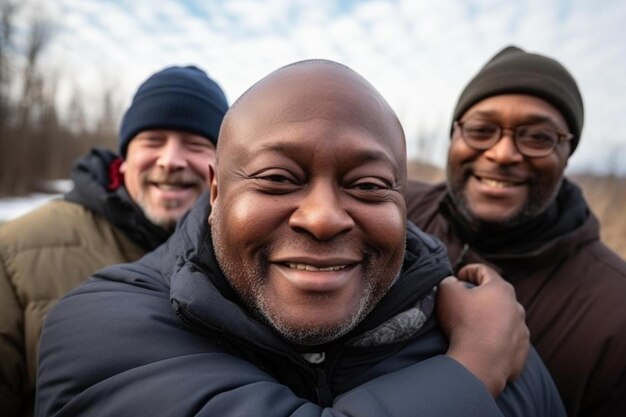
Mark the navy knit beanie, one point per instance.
(179, 98)
(514, 71)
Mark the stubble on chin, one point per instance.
(537, 201)
(165, 213)
(164, 221)
(248, 279)
(315, 335)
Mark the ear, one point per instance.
(123, 167)
(212, 188)
(213, 182)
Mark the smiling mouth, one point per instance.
(171, 186)
(307, 267)
(497, 183)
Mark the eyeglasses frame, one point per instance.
(562, 136)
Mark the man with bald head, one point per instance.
(297, 287)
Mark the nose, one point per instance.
(321, 213)
(505, 152)
(172, 155)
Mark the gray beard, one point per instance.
(317, 335)
(255, 299)
(167, 223)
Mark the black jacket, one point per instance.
(571, 285)
(92, 175)
(168, 336)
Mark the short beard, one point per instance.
(167, 223)
(319, 335)
(537, 201)
(253, 296)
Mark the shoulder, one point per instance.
(57, 222)
(423, 194)
(116, 329)
(599, 255)
(602, 285)
(576, 311)
(595, 271)
(54, 248)
(122, 314)
(415, 188)
(64, 225)
(51, 226)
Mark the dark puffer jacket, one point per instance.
(167, 336)
(572, 287)
(48, 252)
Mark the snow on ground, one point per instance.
(13, 207)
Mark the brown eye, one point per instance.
(370, 190)
(536, 139)
(277, 178)
(198, 145)
(479, 130)
(369, 186)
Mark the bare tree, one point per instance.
(111, 110)
(25, 145)
(35, 143)
(8, 9)
(32, 101)
(76, 120)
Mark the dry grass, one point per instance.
(606, 195)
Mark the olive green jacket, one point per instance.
(43, 255)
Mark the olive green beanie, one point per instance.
(514, 71)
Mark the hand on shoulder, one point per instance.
(485, 325)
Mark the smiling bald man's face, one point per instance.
(308, 211)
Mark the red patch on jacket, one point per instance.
(116, 178)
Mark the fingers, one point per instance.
(478, 274)
(484, 324)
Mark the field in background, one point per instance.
(606, 195)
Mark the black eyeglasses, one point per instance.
(533, 140)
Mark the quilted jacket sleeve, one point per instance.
(129, 356)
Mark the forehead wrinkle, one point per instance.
(359, 156)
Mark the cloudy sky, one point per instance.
(418, 53)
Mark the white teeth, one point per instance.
(306, 267)
(170, 187)
(171, 204)
(496, 183)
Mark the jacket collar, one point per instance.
(91, 176)
(201, 293)
(574, 224)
